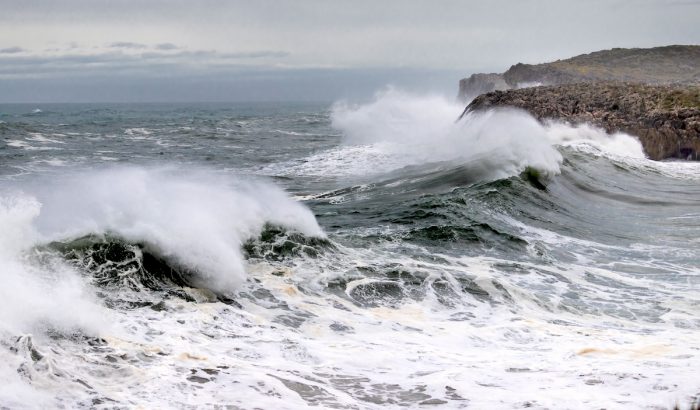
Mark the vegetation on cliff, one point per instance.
(658, 65)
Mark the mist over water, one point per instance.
(353, 256)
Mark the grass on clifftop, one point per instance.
(688, 98)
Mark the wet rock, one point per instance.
(341, 328)
(290, 320)
(432, 402)
(377, 293)
(198, 379)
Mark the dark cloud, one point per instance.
(11, 50)
(256, 54)
(147, 63)
(127, 44)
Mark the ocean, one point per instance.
(342, 256)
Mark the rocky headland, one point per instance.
(659, 65)
(653, 94)
(666, 119)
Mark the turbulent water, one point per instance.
(280, 256)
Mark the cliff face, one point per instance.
(658, 65)
(666, 119)
(478, 84)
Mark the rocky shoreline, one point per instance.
(665, 118)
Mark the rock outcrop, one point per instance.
(675, 64)
(665, 118)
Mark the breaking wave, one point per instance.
(136, 226)
(398, 130)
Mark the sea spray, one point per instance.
(413, 130)
(397, 129)
(37, 293)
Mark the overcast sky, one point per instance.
(215, 50)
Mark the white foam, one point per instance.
(54, 162)
(33, 293)
(531, 351)
(137, 131)
(615, 144)
(41, 138)
(15, 392)
(689, 170)
(25, 145)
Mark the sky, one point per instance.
(303, 50)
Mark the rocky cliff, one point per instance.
(659, 65)
(665, 118)
(478, 84)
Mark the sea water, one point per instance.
(349, 256)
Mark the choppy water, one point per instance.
(372, 256)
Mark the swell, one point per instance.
(610, 199)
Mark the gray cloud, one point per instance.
(166, 46)
(127, 44)
(11, 50)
